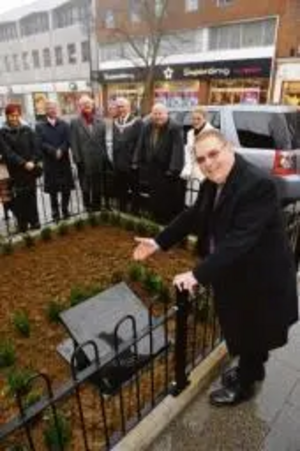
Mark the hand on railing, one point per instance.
(186, 281)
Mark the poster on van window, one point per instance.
(250, 97)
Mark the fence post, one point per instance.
(181, 379)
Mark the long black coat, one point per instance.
(125, 141)
(88, 145)
(21, 147)
(252, 268)
(160, 165)
(57, 173)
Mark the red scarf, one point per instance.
(88, 117)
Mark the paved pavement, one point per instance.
(269, 422)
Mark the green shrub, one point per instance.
(18, 381)
(63, 229)
(7, 354)
(7, 248)
(136, 272)
(105, 216)
(57, 434)
(140, 227)
(115, 218)
(53, 310)
(93, 219)
(128, 223)
(32, 398)
(22, 323)
(46, 234)
(79, 224)
(77, 295)
(28, 240)
(153, 282)
(92, 291)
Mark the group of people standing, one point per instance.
(119, 156)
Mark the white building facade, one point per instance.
(45, 53)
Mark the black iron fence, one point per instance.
(99, 404)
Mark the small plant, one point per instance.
(136, 272)
(93, 219)
(32, 398)
(63, 229)
(7, 248)
(22, 323)
(115, 218)
(46, 234)
(140, 227)
(28, 240)
(92, 291)
(79, 224)
(127, 223)
(77, 295)
(105, 216)
(18, 381)
(7, 354)
(57, 434)
(53, 310)
(153, 282)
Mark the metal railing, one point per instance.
(81, 415)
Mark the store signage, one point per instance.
(204, 70)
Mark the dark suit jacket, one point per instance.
(88, 146)
(252, 267)
(125, 140)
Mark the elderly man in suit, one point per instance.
(89, 152)
(245, 256)
(160, 156)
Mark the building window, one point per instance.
(47, 57)
(34, 24)
(8, 32)
(16, 66)
(7, 64)
(224, 2)
(85, 51)
(36, 59)
(135, 11)
(109, 19)
(191, 5)
(69, 14)
(71, 49)
(58, 56)
(25, 61)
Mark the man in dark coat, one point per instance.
(23, 161)
(89, 152)
(245, 256)
(160, 157)
(126, 134)
(54, 143)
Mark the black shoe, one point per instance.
(230, 377)
(231, 396)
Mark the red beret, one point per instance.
(12, 108)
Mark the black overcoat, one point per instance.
(252, 268)
(125, 141)
(160, 165)
(57, 173)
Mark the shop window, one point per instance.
(263, 130)
(109, 19)
(58, 56)
(47, 57)
(214, 118)
(36, 59)
(71, 49)
(159, 7)
(191, 5)
(25, 61)
(224, 2)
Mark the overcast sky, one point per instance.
(6, 5)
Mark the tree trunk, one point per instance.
(148, 97)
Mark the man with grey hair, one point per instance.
(245, 256)
(89, 152)
(126, 133)
(160, 156)
(54, 143)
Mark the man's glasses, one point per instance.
(210, 156)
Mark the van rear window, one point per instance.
(264, 130)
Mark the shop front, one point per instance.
(287, 82)
(183, 86)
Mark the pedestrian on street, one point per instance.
(126, 134)
(160, 157)
(244, 255)
(24, 165)
(54, 143)
(89, 152)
